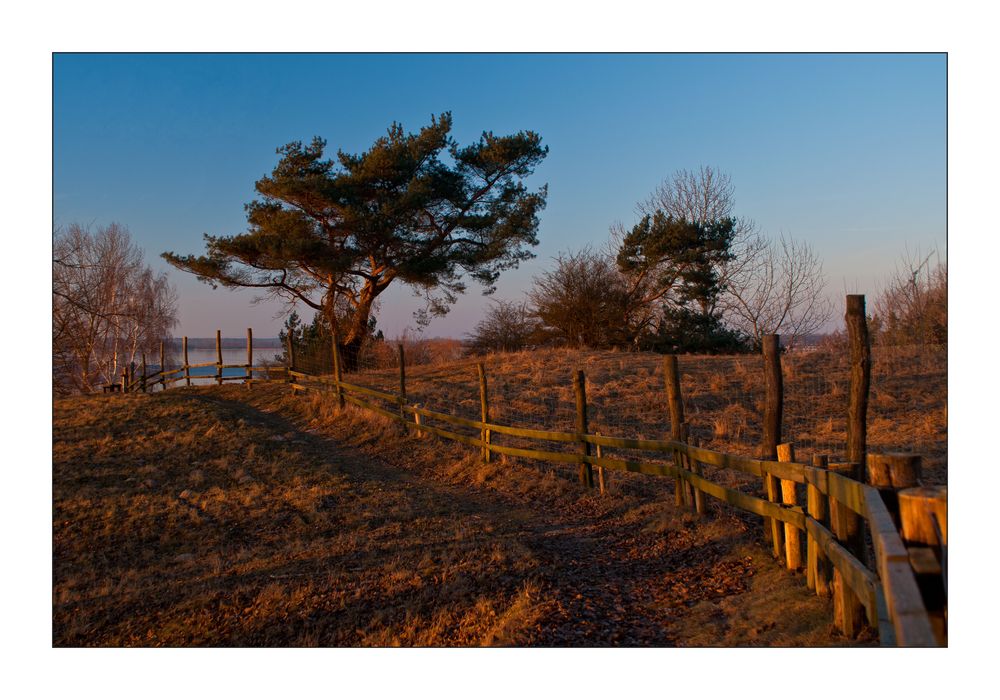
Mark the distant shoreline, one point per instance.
(200, 343)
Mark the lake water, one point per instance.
(230, 356)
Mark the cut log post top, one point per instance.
(897, 470)
(919, 509)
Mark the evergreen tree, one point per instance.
(673, 264)
(335, 234)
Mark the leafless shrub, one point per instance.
(913, 307)
(775, 287)
(582, 302)
(507, 326)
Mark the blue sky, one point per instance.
(847, 152)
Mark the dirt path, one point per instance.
(258, 518)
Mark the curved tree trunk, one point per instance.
(353, 330)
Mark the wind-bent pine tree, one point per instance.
(334, 234)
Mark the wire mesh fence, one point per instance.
(723, 396)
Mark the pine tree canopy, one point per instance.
(333, 234)
(676, 259)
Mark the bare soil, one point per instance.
(251, 517)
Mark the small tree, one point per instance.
(582, 302)
(108, 307)
(313, 342)
(506, 326)
(748, 283)
(675, 261)
(681, 330)
(416, 208)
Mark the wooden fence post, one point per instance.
(891, 472)
(793, 542)
(484, 411)
(290, 359)
(699, 497)
(919, 508)
(857, 407)
(675, 404)
(218, 357)
(923, 515)
(817, 565)
(249, 379)
(845, 524)
(687, 489)
(773, 408)
(402, 385)
(142, 379)
(600, 468)
(416, 421)
(163, 367)
(580, 389)
(336, 373)
(187, 367)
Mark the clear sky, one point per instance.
(847, 152)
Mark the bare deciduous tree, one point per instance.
(767, 286)
(108, 307)
(775, 287)
(507, 326)
(582, 302)
(704, 197)
(913, 307)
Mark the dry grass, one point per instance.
(189, 518)
(723, 397)
(222, 516)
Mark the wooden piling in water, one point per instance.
(187, 367)
(218, 357)
(249, 357)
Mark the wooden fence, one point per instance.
(140, 379)
(888, 584)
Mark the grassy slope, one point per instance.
(222, 516)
